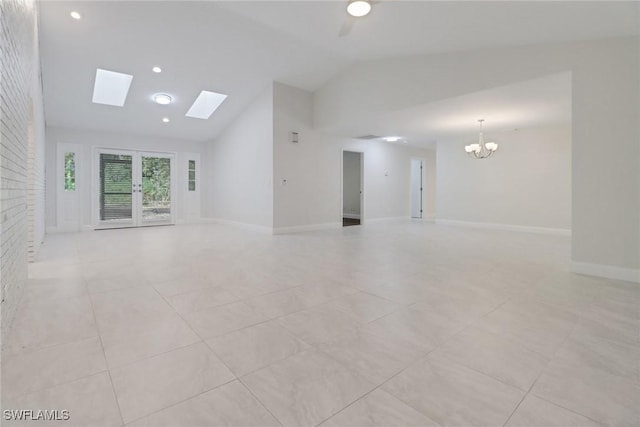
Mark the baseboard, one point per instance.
(243, 225)
(351, 216)
(506, 227)
(606, 271)
(311, 227)
(386, 219)
(424, 219)
(207, 221)
(194, 220)
(56, 230)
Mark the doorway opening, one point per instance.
(352, 179)
(417, 174)
(134, 189)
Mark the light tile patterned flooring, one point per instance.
(389, 324)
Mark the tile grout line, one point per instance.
(244, 300)
(535, 381)
(259, 401)
(104, 354)
(269, 364)
(570, 410)
(379, 386)
(181, 401)
(425, 357)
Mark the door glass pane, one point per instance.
(156, 189)
(192, 175)
(116, 199)
(69, 171)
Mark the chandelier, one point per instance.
(481, 150)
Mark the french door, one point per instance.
(134, 188)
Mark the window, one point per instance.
(192, 175)
(69, 171)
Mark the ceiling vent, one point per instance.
(368, 137)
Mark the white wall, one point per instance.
(22, 150)
(527, 182)
(351, 176)
(36, 163)
(312, 169)
(605, 130)
(240, 167)
(88, 140)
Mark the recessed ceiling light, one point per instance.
(75, 15)
(359, 8)
(111, 88)
(205, 104)
(166, 120)
(392, 138)
(162, 99)
(156, 69)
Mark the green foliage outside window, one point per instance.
(69, 171)
(156, 180)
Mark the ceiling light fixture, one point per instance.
(156, 69)
(481, 150)
(205, 104)
(111, 88)
(358, 8)
(166, 120)
(162, 99)
(75, 15)
(392, 138)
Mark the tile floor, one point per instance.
(390, 324)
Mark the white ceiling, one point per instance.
(237, 48)
(399, 28)
(539, 102)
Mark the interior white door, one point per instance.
(134, 189)
(416, 188)
(190, 185)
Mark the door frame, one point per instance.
(61, 149)
(188, 199)
(422, 186)
(362, 183)
(136, 220)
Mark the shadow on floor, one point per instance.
(350, 221)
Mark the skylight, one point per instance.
(205, 104)
(111, 88)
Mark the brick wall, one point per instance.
(21, 149)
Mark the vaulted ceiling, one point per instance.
(238, 47)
